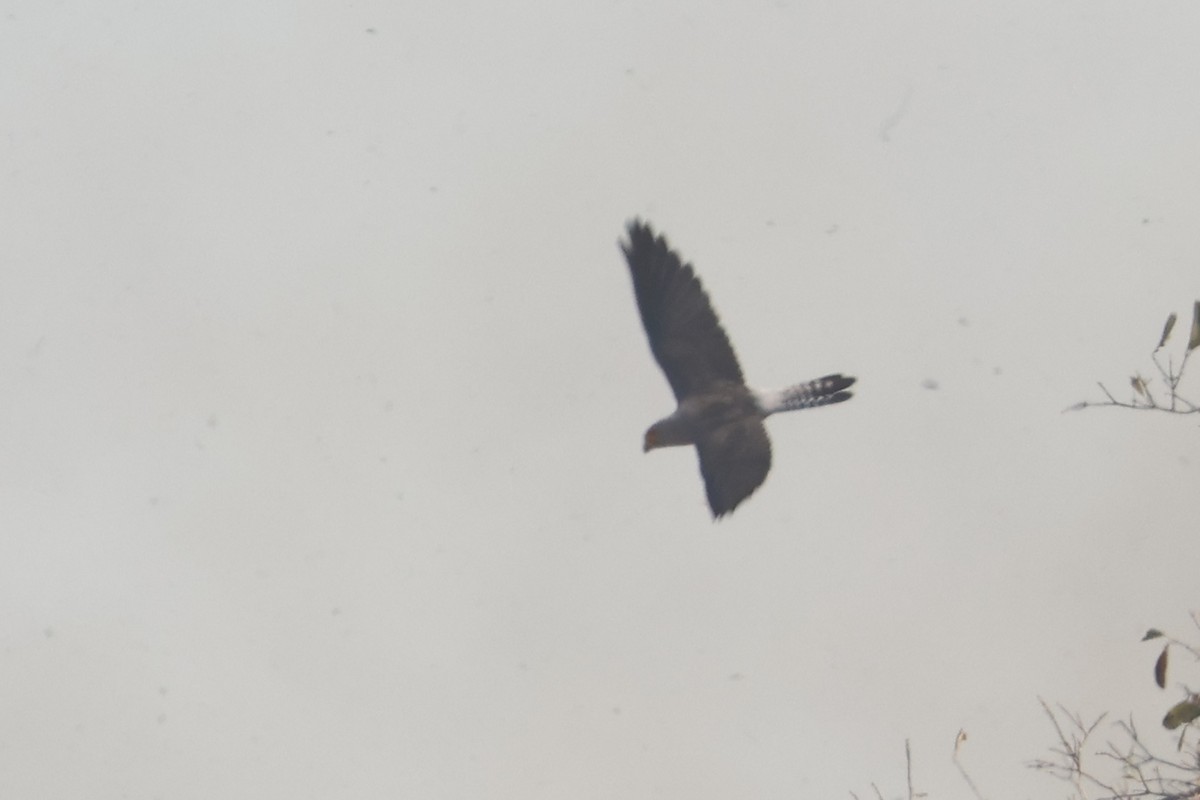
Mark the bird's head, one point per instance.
(667, 432)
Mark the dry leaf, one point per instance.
(1181, 714)
(1194, 341)
(1160, 668)
(1167, 329)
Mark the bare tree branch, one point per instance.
(1144, 397)
(1138, 772)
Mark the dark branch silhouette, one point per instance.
(1161, 393)
(1125, 767)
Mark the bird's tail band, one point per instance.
(811, 394)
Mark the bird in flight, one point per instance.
(716, 411)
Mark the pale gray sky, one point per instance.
(320, 471)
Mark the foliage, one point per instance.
(1125, 767)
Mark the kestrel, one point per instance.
(716, 411)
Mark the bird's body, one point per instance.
(716, 411)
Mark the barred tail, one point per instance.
(821, 392)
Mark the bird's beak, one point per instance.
(650, 442)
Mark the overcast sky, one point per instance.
(324, 393)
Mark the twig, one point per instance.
(908, 761)
(1170, 377)
(958, 740)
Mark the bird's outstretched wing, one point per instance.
(734, 460)
(685, 335)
